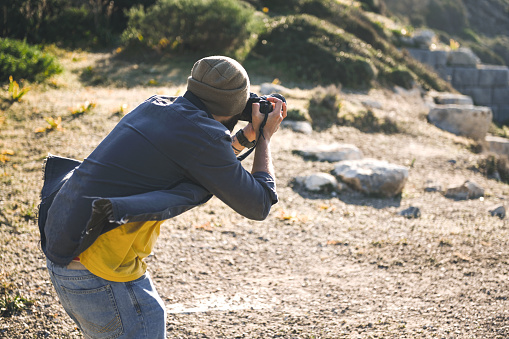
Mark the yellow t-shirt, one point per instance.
(118, 255)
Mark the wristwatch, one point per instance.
(243, 140)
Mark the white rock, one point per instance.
(453, 99)
(372, 176)
(269, 88)
(318, 182)
(498, 145)
(298, 126)
(372, 104)
(331, 152)
(469, 190)
(469, 121)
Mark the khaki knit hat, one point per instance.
(221, 83)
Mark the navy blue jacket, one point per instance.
(166, 156)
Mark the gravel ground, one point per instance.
(321, 265)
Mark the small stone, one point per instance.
(270, 88)
(432, 186)
(497, 211)
(331, 152)
(298, 126)
(469, 190)
(411, 213)
(319, 182)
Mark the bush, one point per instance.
(303, 47)
(191, 25)
(399, 76)
(23, 61)
(296, 114)
(494, 166)
(324, 107)
(66, 23)
(368, 122)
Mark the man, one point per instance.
(100, 218)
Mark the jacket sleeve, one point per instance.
(214, 166)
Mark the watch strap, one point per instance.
(243, 140)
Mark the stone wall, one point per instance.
(488, 85)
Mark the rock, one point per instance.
(498, 145)
(319, 182)
(497, 211)
(469, 121)
(432, 186)
(469, 190)
(331, 152)
(270, 88)
(372, 176)
(298, 126)
(453, 99)
(463, 57)
(372, 104)
(424, 38)
(411, 213)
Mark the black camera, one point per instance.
(265, 105)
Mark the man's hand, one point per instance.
(273, 120)
(263, 160)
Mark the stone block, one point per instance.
(501, 95)
(493, 76)
(469, 121)
(482, 96)
(421, 55)
(498, 145)
(462, 57)
(445, 72)
(495, 110)
(438, 58)
(502, 114)
(452, 99)
(465, 76)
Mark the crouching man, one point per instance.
(101, 217)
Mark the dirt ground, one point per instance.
(320, 266)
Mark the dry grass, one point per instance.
(320, 265)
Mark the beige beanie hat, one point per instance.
(221, 83)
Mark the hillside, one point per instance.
(321, 265)
(480, 25)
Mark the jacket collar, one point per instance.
(197, 102)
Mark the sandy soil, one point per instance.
(320, 266)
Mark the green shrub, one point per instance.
(368, 122)
(399, 76)
(23, 61)
(494, 166)
(66, 23)
(305, 48)
(324, 107)
(296, 114)
(191, 25)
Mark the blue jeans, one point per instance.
(106, 309)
